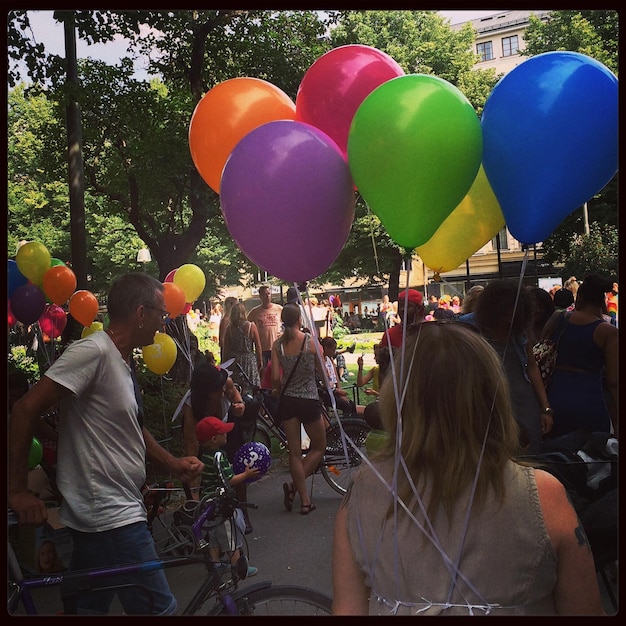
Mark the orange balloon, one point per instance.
(83, 307)
(226, 114)
(174, 299)
(59, 283)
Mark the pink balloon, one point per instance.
(10, 317)
(335, 85)
(287, 198)
(53, 321)
(170, 277)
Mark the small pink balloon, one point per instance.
(10, 317)
(335, 85)
(170, 277)
(53, 321)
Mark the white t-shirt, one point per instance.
(101, 449)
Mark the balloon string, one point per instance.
(369, 213)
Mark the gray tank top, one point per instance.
(303, 383)
(507, 566)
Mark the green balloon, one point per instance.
(54, 262)
(414, 149)
(35, 455)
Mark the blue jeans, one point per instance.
(128, 544)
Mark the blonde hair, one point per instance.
(237, 315)
(457, 397)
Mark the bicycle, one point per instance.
(218, 593)
(343, 453)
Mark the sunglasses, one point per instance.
(163, 314)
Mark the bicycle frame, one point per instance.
(83, 581)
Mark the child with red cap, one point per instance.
(227, 538)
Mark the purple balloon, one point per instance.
(28, 303)
(253, 454)
(287, 197)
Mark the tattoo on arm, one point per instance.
(581, 536)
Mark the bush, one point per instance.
(19, 360)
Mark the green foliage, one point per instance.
(594, 33)
(596, 252)
(205, 342)
(18, 359)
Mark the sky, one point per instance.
(50, 32)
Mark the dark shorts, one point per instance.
(307, 411)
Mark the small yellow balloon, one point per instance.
(160, 356)
(33, 261)
(190, 278)
(94, 328)
(475, 221)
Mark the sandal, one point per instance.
(305, 509)
(290, 494)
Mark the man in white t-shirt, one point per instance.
(102, 449)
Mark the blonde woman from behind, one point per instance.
(510, 544)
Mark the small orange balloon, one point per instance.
(59, 283)
(174, 299)
(226, 114)
(83, 307)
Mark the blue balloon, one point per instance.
(253, 454)
(550, 140)
(15, 278)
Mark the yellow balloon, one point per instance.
(94, 328)
(474, 222)
(190, 278)
(33, 261)
(160, 355)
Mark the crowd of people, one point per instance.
(457, 390)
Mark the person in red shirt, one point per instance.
(415, 314)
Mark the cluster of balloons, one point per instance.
(441, 180)
(181, 288)
(39, 286)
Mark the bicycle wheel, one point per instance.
(335, 467)
(279, 600)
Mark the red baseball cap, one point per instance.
(415, 297)
(208, 427)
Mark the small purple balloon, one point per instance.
(253, 454)
(28, 303)
(287, 197)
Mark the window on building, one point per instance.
(510, 46)
(485, 50)
(504, 240)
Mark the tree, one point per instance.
(593, 253)
(137, 164)
(137, 160)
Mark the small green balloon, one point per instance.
(35, 455)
